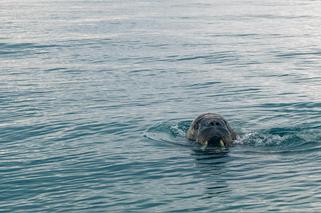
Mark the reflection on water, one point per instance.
(212, 167)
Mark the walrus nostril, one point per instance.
(214, 123)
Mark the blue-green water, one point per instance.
(96, 96)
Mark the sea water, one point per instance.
(96, 97)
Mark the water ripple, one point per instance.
(96, 99)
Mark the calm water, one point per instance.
(96, 96)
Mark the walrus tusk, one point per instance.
(222, 143)
(204, 146)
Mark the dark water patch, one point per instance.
(210, 58)
(298, 54)
(233, 95)
(7, 48)
(25, 49)
(311, 107)
(140, 71)
(161, 46)
(313, 79)
(25, 46)
(280, 17)
(23, 132)
(236, 35)
(280, 75)
(83, 42)
(202, 85)
(246, 90)
(56, 69)
(194, 58)
(89, 129)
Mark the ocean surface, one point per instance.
(96, 97)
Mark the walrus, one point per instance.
(211, 129)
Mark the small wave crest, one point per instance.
(171, 132)
(279, 137)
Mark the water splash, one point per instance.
(173, 132)
(170, 132)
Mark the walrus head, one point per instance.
(211, 129)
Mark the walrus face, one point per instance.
(211, 130)
(214, 132)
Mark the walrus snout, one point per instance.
(216, 141)
(213, 137)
